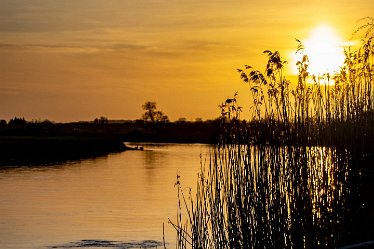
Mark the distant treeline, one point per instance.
(209, 131)
(132, 131)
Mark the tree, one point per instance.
(3, 122)
(17, 122)
(182, 120)
(152, 114)
(101, 120)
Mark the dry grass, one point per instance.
(296, 174)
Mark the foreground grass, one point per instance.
(299, 173)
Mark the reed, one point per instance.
(297, 174)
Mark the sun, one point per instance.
(325, 51)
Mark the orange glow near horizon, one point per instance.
(110, 57)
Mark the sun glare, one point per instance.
(325, 51)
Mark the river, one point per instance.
(120, 200)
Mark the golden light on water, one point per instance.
(325, 51)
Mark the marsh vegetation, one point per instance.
(297, 174)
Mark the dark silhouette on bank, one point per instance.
(28, 150)
(152, 114)
(137, 131)
(32, 142)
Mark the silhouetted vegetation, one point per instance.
(101, 120)
(17, 122)
(132, 131)
(299, 173)
(28, 150)
(174, 132)
(23, 142)
(152, 114)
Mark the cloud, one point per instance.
(41, 16)
(116, 47)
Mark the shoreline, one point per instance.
(31, 150)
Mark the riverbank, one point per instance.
(132, 131)
(27, 150)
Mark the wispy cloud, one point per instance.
(145, 48)
(70, 48)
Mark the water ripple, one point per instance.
(110, 244)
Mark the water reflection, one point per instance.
(121, 197)
(283, 197)
(110, 244)
(154, 159)
(51, 164)
(276, 197)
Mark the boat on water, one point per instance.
(134, 148)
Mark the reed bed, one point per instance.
(298, 173)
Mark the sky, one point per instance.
(71, 60)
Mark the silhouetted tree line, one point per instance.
(17, 122)
(138, 130)
(101, 120)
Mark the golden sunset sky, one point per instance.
(70, 60)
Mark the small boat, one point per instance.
(134, 148)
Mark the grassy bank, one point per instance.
(21, 150)
(132, 131)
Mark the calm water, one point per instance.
(124, 197)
